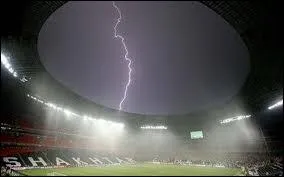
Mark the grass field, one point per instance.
(143, 169)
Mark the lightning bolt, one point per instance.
(126, 53)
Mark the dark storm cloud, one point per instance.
(185, 57)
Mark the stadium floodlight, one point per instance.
(52, 105)
(150, 127)
(38, 100)
(11, 70)
(7, 65)
(85, 118)
(278, 104)
(4, 61)
(59, 108)
(67, 112)
(23, 79)
(88, 117)
(103, 123)
(76, 115)
(234, 119)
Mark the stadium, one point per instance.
(63, 75)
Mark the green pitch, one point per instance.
(135, 170)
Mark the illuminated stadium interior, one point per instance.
(205, 97)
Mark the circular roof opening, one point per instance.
(185, 56)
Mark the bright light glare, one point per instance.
(4, 61)
(109, 125)
(15, 74)
(102, 121)
(105, 124)
(67, 112)
(150, 127)
(23, 79)
(52, 105)
(234, 118)
(11, 70)
(117, 126)
(8, 66)
(278, 104)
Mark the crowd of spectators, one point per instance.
(254, 164)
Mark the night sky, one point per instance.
(185, 57)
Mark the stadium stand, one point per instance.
(17, 157)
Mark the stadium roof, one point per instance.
(256, 22)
